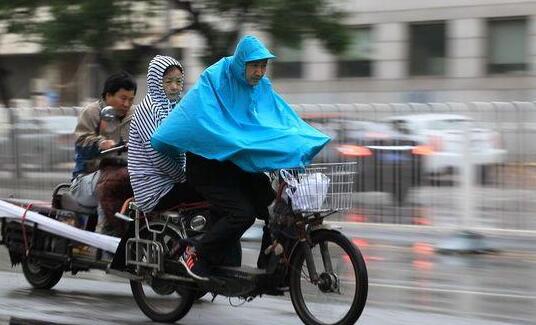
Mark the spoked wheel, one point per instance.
(339, 296)
(161, 300)
(38, 276)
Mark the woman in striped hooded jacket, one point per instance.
(158, 180)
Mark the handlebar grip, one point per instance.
(123, 217)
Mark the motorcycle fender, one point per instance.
(160, 223)
(15, 253)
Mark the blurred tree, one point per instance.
(288, 22)
(98, 27)
(93, 27)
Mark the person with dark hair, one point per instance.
(102, 181)
(115, 82)
(93, 133)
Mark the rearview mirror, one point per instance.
(109, 120)
(108, 113)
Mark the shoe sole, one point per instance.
(192, 274)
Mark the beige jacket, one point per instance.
(90, 130)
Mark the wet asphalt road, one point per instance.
(409, 284)
(90, 302)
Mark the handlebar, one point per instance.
(119, 148)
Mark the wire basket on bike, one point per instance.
(320, 187)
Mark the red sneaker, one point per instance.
(190, 261)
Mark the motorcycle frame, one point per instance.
(306, 225)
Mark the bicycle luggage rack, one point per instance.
(148, 253)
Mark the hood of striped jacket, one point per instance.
(155, 87)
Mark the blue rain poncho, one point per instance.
(224, 118)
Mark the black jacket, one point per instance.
(202, 172)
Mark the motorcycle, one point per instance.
(321, 269)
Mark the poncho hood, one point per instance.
(224, 118)
(248, 49)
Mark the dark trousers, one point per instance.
(237, 198)
(113, 188)
(221, 244)
(180, 193)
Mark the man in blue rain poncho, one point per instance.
(234, 126)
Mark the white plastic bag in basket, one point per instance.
(308, 192)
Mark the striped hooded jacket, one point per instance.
(153, 174)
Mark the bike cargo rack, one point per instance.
(148, 254)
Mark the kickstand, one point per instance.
(213, 297)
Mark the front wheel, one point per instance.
(340, 294)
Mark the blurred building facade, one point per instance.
(424, 51)
(401, 51)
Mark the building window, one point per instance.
(356, 61)
(427, 49)
(288, 64)
(507, 45)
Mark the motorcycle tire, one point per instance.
(170, 304)
(336, 278)
(154, 311)
(38, 276)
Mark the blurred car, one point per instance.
(388, 161)
(445, 135)
(42, 142)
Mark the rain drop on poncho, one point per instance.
(224, 118)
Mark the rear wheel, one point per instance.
(161, 300)
(338, 298)
(38, 276)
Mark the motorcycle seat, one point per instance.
(182, 206)
(69, 203)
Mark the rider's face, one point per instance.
(121, 101)
(255, 70)
(172, 83)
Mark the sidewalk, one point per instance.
(408, 234)
(501, 240)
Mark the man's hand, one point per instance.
(106, 144)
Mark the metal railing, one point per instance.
(504, 195)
